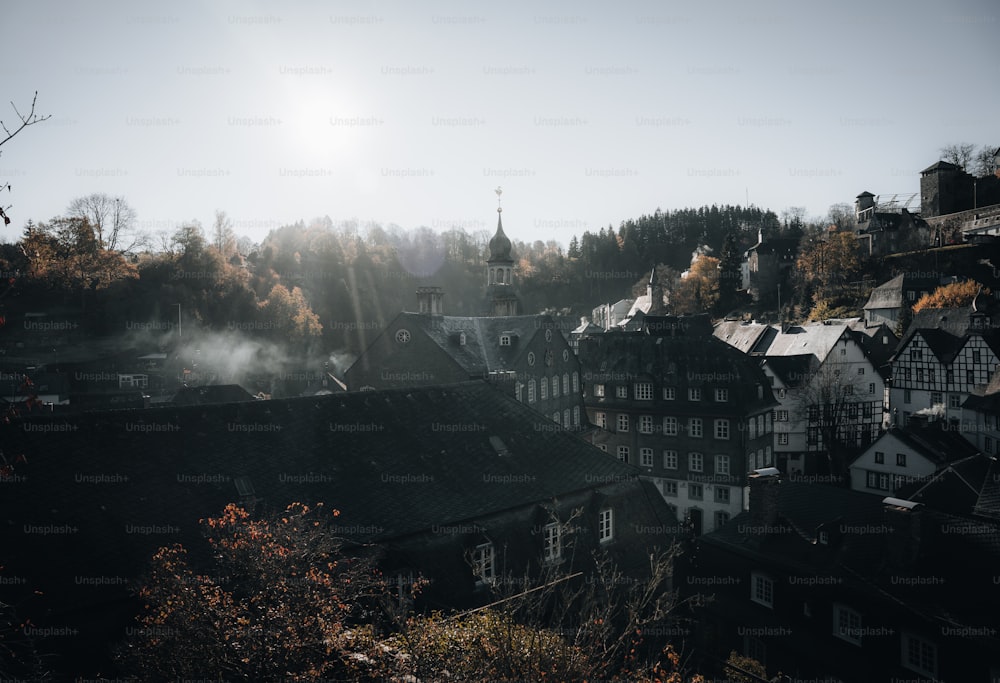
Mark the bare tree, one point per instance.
(112, 218)
(223, 236)
(985, 161)
(26, 120)
(958, 154)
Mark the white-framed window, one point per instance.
(646, 457)
(504, 340)
(782, 438)
(599, 390)
(623, 453)
(621, 391)
(576, 416)
(846, 624)
(555, 417)
(644, 391)
(695, 428)
(669, 393)
(722, 428)
(696, 492)
(694, 393)
(919, 655)
(670, 460)
(552, 542)
(871, 388)
(781, 415)
(645, 424)
(565, 384)
(566, 422)
(531, 391)
(722, 395)
(601, 420)
(555, 387)
(722, 465)
(622, 422)
(670, 426)
(670, 488)
(861, 371)
(519, 392)
(762, 589)
(696, 462)
(606, 525)
(954, 400)
(722, 494)
(576, 383)
(483, 563)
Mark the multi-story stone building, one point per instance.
(692, 413)
(831, 395)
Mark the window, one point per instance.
(722, 395)
(670, 488)
(721, 518)
(696, 462)
(988, 444)
(954, 400)
(695, 427)
(871, 387)
(949, 376)
(601, 420)
(920, 374)
(544, 386)
(931, 375)
(919, 655)
(879, 458)
(566, 384)
(722, 429)
(669, 393)
(552, 549)
(646, 457)
(670, 426)
(696, 492)
(519, 392)
(622, 422)
(504, 340)
(722, 494)
(761, 589)
(907, 397)
(576, 416)
(555, 387)
(907, 374)
(603, 447)
(670, 460)
(555, 417)
(977, 356)
(566, 422)
(877, 480)
(576, 383)
(846, 624)
(694, 394)
(531, 391)
(901, 459)
(646, 424)
(606, 525)
(813, 413)
(937, 398)
(599, 390)
(621, 391)
(483, 563)
(970, 376)
(623, 453)
(644, 391)
(782, 438)
(722, 465)
(861, 371)
(916, 354)
(781, 415)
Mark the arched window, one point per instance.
(531, 391)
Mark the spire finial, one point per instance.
(499, 192)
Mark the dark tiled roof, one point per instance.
(212, 393)
(938, 445)
(955, 489)
(887, 295)
(791, 370)
(988, 504)
(940, 166)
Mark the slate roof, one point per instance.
(937, 444)
(791, 370)
(886, 295)
(741, 335)
(955, 489)
(942, 328)
(940, 166)
(481, 353)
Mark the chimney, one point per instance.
(903, 534)
(764, 496)
(429, 300)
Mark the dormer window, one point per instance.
(461, 338)
(504, 340)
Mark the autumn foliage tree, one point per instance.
(954, 295)
(277, 606)
(698, 291)
(826, 270)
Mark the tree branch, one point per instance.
(26, 121)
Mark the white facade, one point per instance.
(900, 464)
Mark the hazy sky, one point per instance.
(412, 113)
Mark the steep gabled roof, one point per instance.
(791, 370)
(816, 339)
(746, 337)
(936, 442)
(887, 295)
(956, 489)
(941, 328)
(940, 166)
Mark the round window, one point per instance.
(403, 336)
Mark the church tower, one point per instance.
(501, 297)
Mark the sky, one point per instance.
(585, 113)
